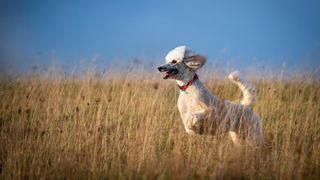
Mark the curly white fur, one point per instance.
(202, 112)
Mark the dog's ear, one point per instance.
(195, 62)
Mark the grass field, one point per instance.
(128, 127)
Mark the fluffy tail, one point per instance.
(248, 90)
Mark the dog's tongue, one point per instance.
(167, 74)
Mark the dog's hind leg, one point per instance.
(258, 137)
(235, 139)
(248, 90)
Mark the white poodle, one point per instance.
(202, 112)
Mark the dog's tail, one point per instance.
(248, 90)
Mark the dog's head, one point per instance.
(181, 62)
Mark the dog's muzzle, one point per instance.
(167, 71)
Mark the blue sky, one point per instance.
(245, 33)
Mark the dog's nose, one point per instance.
(161, 68)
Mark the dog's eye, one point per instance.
(174, 61)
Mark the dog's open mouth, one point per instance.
(169, 73)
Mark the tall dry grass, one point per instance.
(129, 127)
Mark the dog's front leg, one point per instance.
(195, 120)
(202, 114)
